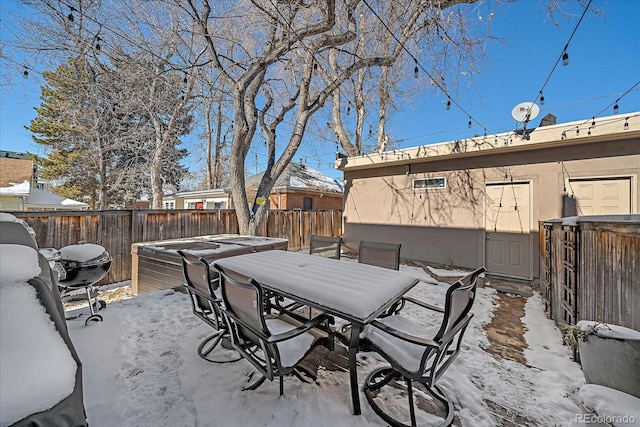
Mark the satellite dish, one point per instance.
(525, 112)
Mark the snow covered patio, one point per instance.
(141, 368)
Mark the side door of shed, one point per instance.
(507, 227)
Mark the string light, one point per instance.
(348, 110)
(615, 108)
(593, 122)
(577, 131)
(626, 123)
(565, 59)
(541, 98)
(589, 132)
(469, 124)
(564, 135)
(25, 73)
(70, 15)
(449, 104)
(415, 70)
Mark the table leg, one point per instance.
(354, 343)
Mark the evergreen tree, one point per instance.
(99, 140)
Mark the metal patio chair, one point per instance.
(274, 343)
(326, 246)
(201, 284)
(386, 255)
(417, 353)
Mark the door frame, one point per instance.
(530, 182)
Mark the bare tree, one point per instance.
(284, 47)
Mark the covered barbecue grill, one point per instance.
(85, 264)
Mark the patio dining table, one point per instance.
(355, 292)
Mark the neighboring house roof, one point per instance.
(15, 177)
(216, 192)
(298, 177)
(39, 199)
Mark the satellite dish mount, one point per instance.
(524, 113)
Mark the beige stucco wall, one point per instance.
(446, 226)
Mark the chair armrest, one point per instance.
(424, 304)
(301, 329)
(403, 335)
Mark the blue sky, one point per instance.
(604, 64)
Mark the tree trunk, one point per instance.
(217, 162)
(208, 139)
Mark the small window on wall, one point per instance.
(307, 204)
(429, 183)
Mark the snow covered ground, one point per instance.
(141, 368)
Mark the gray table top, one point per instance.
(356, 292)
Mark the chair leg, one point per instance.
(381, 377)
(209, 344)
(281, 385)
(412, 410)
(297, 373)
(256, 384)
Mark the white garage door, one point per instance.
(602, 196)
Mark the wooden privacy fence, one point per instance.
(591, 269)
(117, 230)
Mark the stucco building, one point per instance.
(479, 201)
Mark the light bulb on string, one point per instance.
(348, 110)
(415, 70)
(70, 16)
(626, 123)
(589, 132)
(616, 108)
(449, 104)
(564, 135)
(469, 124)
(565, 58)
(577, 131)
(25, 73)
(541, 99)
(593, 122)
